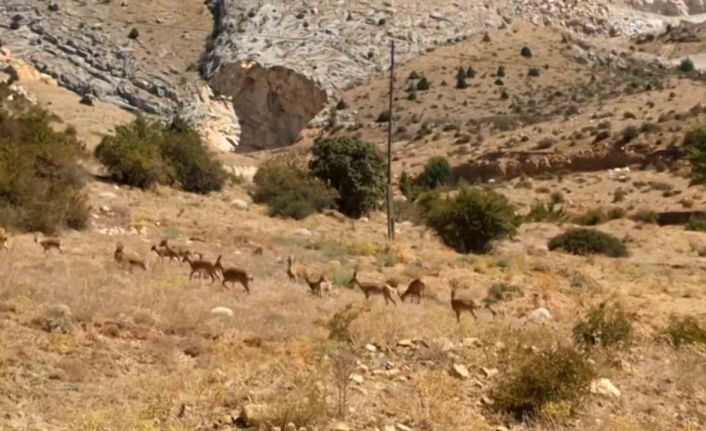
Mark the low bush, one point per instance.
(696, 223)
(585, 242)
(437, 172)
(686, 65)
(500, 292)
(355, 169)
(544, 384)
(526, 52)
(144, 153)
(606, 325)
(40, 177)
(695, 145)
(545, 212)
(684, 331)
(646, 216)
(290, 191)
(473, 218)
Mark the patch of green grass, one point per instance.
(685, 331)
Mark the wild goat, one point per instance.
(201, 266)
(234, 275)
(3, 239)
(166, 252)
(131, 260)
(296, 272)
(416, 288)
(466, 304)
(180, 251)
(319, 287)
(372, 288)
(48, 243)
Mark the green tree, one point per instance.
(355, 169)
(437, 172)
(695, 144)
(473, 218)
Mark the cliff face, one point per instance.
(281, 62)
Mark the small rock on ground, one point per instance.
(460, 371)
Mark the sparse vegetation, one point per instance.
(585, 242)
(144, 153)
(437, 172)
(683, 331)
(355, 169)
(696, 223)
(544, 385)
(533, 72)
(695, 144)
(545, 212)
(687, 65)
(40, 177)
(423, 84)
(290, 191)
(471, 219)
(606, 325)
(526, 52)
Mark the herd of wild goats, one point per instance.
(296, 272)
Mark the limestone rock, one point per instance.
(222, 311)
(605, 387)
(253, 414)
(460, 371)
(239, 203)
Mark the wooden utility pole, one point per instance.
(390, 220)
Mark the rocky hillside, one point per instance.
(281, 63)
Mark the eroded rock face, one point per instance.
(671, 7)
(273, 104)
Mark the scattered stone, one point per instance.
(341, 427)
(540, 314)
(402, 427)
(486, 401)
(134, 34)
(604, 387)
(302, 232)
(405, 343)
(253, 414)
(222, 311)
(290, 427)
(239, 204)
(357, 378)
(471, 342)
(490, 372)
(460, 371)
(86, 100)
(371, 348)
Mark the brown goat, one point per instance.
(460, 305)
(371, 288)
(201, 267)
(319, 286)
(296, 272)
(416, 289)
(132, 261)
(234, 275)
(48, 243)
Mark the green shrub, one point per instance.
(290, 191)
(355, 169)
(437, 172)
(501, 72)
(541, 212)
(470, 73)
(500, 292)
(606, 325)
(630, 133)
(584, 242)
(526, 52)
(533, 72)
(471, 219)
(195, 170)
(384, 117)
(592, 217)
(695, 144)
(646, 216)
(696, 223)
(423, 85)
(685, 331)
(40, 175)
(686, 65)
(144, 153)
(540, 383)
